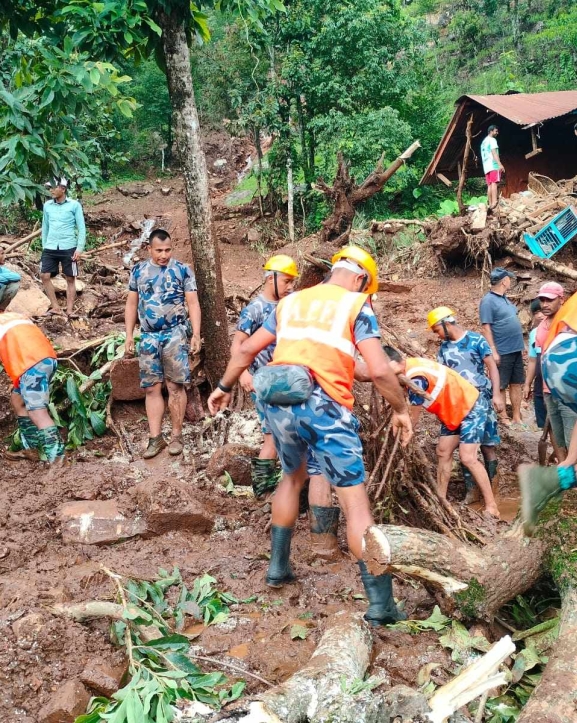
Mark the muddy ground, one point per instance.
(39, 651)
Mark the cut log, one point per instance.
(463, 167)
(547, 264)
(493, 575)
(22, 241)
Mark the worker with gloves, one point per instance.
(462, 411)
(306, 392)
(469, 354)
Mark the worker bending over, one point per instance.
(307, 395)
(30, 361)
(469, 354)
(462, 411)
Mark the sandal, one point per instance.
(53, 312)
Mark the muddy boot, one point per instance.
(473, 492)
(155, 446)
(176, 446)
(265, 475)
(539, 485)
(51, 444)
(382, 607)
(279, 570)
(492, 471)
(324, 523)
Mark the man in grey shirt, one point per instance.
(504, 333)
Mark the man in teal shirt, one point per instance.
(63, 240)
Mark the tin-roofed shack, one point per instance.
(536, 133)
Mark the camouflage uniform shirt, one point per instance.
(251, 318)
(467, 357)
(161, 290)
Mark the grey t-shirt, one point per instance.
(501, 314)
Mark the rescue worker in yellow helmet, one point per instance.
(307, 395)
(469, 354)
(459, 407)
(280, 275)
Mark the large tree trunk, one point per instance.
(188, 143)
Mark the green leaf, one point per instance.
(170, 642)
(299, 632)
(98, 423)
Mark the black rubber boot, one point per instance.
(382, 607)
(265, 475)
(324, 523)
(473, 492)
(492, 468)
(279, 570)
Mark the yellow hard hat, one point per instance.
(438, 314)
(283, 264)
(364, 259)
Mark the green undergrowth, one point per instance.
(164, 671)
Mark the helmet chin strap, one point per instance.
(275, 283)
(364, 283)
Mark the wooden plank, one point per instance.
(444, 180)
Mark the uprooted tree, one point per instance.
(346, 195)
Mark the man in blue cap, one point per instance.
(504, 333)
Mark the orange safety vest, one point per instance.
(315, 329)
(565, 317)
(22, 345)
(453, 397)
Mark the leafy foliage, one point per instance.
(163, 670)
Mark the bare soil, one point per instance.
(38, 570)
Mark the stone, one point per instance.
(170, 504)
(166, 190)
(135, 190)
(253, 236)
(96, 522)
(28, 625)
(30, 302)
(67, 703)
(59, 283)
(125, 380)
(234, 459)
(102, 678)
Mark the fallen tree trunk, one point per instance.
(22, 241)
(547, 264)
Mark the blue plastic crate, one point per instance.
(554, 235)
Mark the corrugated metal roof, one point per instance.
(526, 108)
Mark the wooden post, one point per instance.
(463, 173)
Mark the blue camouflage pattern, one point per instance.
(163, 355)
(251, 318)
(34, 384)
(467, 357)
(559, 367)
(479, 426)
(325, 428)
(161, 290)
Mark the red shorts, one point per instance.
(493, 177)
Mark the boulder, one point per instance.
(59, 283)
(234, 459)
(170, 504)
(67, 703)
(102, 678)
(96, 522)
(30, 302)
(136, 190)
(28, 625)
(125, 380)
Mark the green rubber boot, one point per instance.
(30, 441)
(324, 523)
(51, 444)
(382, 607)
(265, 475)
(539, 485)
(473, 492)
(279, 570)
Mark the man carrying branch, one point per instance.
(307, 395)
(160, 292)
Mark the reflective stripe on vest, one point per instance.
(22, 345)
(315, 328)
(452, 396)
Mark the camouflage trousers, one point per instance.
(34, 384)
(559, 366)
(321, 427)
(163, 355)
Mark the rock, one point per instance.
(90, 301)
(170, 504)
(253, 236)
(166, 191)
(234, 459)
(28, 625)
(67, 703)
(220, 163)
(125, 380)
(30, 302)
(59, 284)
(96, 522)
(102, 678)
(136, 190)
(136, 225)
